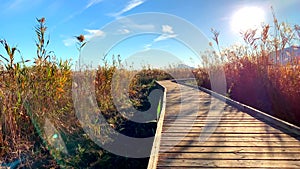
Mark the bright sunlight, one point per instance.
(247, 18)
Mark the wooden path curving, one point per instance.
(241, 139)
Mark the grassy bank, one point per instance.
(255, 74)
(39, 125)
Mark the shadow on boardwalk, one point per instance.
(241, 137)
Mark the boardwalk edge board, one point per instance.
(152, 164)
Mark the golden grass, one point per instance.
(254, 73)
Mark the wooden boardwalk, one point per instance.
(238, 140)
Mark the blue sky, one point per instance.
(66, 18)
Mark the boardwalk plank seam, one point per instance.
(264, 152)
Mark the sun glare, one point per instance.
(247, 18)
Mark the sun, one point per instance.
(247, 18)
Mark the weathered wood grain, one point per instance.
(236, 139)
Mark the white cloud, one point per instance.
(167, 29)
(124, 31)
(168, 33)
(78, 12)
(164, 37)
(15, 4)
(69, 42)
(148, 46)
(18, 5)
(91, 33)
(132, 25)
(130, 5)
(92, 2)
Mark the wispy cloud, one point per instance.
(164, 37)
(148, 46)
(69, 42)
(168, 33)
(167, 29)
(15, 4)
(88, 5)
(123, 31)
(91, 33)
(132, 25)
(130, 5)
(18, 5)
(92, 2)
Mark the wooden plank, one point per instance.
(240, 140)
(231, 156)
(217, 123)
(228, 135)
(193, 167)
(282, 139)
(205, 120)
(192, 118)
(222, 129)
(215, 149)
(196, 142)
(214, 124)
(203, 115)
(228, 163)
